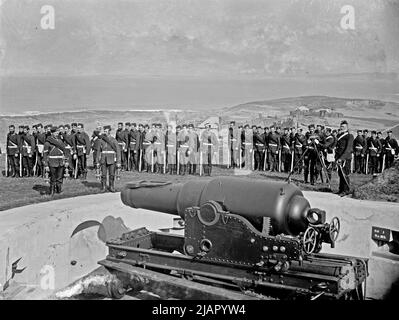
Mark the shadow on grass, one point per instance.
(92, 184)
(41, 189)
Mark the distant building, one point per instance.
(213, 121)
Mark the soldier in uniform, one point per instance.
(374, 148)
(286, 150)
(310, 157)
(328, 146)
(69, 141)
(265, 137)
(109, 159)
(122, 139)
(82, 143)
(366, 137)
(248, 145)
(209, 145)
(343, 157)
(359, 149)
(40, 141)
(159, 147)
(381, 157)
(28, 147)
(139, 154)
(95, 144)
(13, 147)
(274, 147)
(147, 138)
(193, 147)
(391, 148)
(54, 160)
(259, 144)
(171, 149)
(132, 138)
(299, 148)
(183, 146)
(235, 144)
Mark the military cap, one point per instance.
(53, 129)
(379, 132)
(178, 127)
(344, 122)
(49, 125)
(389, 131)
(159, 125)
(373, 132)
(61, 126)
(127, 123)
(359, 131)
(246, 126)
(365, 130)
(286, 129)
(300, 129)
(34, 126)
(81, 124)
(21, 126)
(74, 124)
(11, 126)
(334, 131)
(67, 126)
(278, 128)
(259, 127)
(133, 124)
(39, 125)
(184, 125)
(191, 125)
(146, 126)
(140, 125)
(107, 127)
(120, 123)
(328, 129)
(311, 126)
(266, 128)
(26, 127)
(232, 122)
(153, 125)
(254, 126)
(240, 126)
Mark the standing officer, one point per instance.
(359, 148)
(259, 144)
(248, 145)
(209, 145)
(28, 147)
(329, 151)
(265, 137)
(83, 145)
(13, 146)
(391, 148)
(95, 144)
(299, 148)
(343, 157)
(381, 156)
(54, 160)
(122, 139)
(366, 137)
(183, 139)
(132, 138)
(274, 147)
(171, 149)
(109, 159)
(139, 147)
(286, 150)
(310, 157)
(193, 147)
(374, 148)
(40, 141)
(235, 144)
(69, 141)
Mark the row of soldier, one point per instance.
(292, 150)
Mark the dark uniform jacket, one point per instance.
(95, 141)
(259, 142)
(82, 143)
(274, 142)
(344, 146)
(391, 144)
(299, 143)
(285, 144)
(28, 145)
(109, 151)
(329, 144)
(122, 138)
(374, 146)
(40, 141)
(13, 144)
(134, 140)
(359, 146)
(55, 152)
(69, 141)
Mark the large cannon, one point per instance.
(245, 232)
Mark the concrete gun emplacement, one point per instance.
(249, 234)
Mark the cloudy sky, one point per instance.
(226, 38)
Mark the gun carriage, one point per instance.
(251, 235)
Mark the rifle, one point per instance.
(152, 160)
(76, 167)
(6, 164)
(367, 163)
(97, 172)
(292, 160)
(383, 164)
(128, 159)
(21, 174)
(240, 157)
(279, 160)
(46, 175)
(35, 165)
(139, 160)
(200, 164)
(265, 160)
(164, 162)
(178, 162)
(353, 163)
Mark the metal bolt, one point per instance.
(252, 240)
(282, 249)
(265, 248)
(275, 248)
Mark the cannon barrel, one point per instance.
(284, 203)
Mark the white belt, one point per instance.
(80, 146)
(157, 143)
(208, 144)
(359, 147)
(106, 151)
(183, 146)
(298, 146)
(146, 142)
(56, 157)
(12, 147)
(260, 144)
(248, 143)
(68, 147)
(233, 140)
(272, 144)
(373, 148)
(287, 147)
(170, 145)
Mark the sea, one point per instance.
(23, 95)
